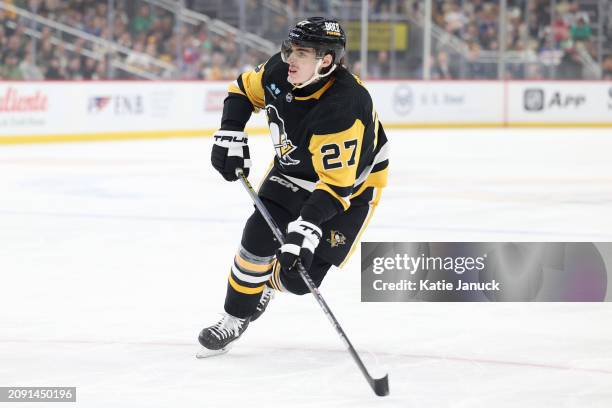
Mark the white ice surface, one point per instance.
(114, 255)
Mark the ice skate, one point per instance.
(218, 338)
(266, 296)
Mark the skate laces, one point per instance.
(268, 294)
(227, 326)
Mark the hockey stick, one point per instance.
(379, 385)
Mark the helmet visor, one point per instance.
(288, 45)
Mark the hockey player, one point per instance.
(328, 172)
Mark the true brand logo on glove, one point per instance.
(230, 152)
(307, 227)
(230, 139)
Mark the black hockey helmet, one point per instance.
(323, 34)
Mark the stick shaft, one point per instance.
(307, 279)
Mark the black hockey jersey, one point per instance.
(327, 135)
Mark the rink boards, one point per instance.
(109, 110)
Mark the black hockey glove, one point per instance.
(302, 239)
(229, 153)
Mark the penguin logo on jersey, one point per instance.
(282, 145)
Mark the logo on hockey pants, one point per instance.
(285, 183)
(337, 238)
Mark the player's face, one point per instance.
(302, 64)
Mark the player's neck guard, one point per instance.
(316, 76)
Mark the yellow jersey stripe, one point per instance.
(233, 88)
(343, 200)
(373, 203)
(318, 93)
(253, 87)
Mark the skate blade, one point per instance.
(206, 353)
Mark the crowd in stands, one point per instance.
(549, 40)
(150, 41)
(147, 35)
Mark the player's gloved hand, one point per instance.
(300, 243)
(229, 153)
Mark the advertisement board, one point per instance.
(573, 103)
(438, 103)
(50, 111)
(110, 110)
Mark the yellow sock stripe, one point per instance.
(250, 266)
(271, 282)
(244, 289)
(373, 204)
(275, 279)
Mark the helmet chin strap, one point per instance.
(316, 76)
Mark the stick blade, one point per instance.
(381, 386)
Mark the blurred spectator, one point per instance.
(54, 70)
(15, 47)
(137, 58)
(29, 70)
(560, 29)
(476, 69)
(10, 69)
(534, 71)
(73, 70)
(442, 69)
(549, 56)
(101, 71)
(454, 19)
(3, 39)
(45, 53)
(142, 22)
(89, 68)
(570, 66)
(191, 57)
(151, 47)
(608, 23)
(382, 67)
(124, 39)
(607, 67)
(581, 31)
(215, 71)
